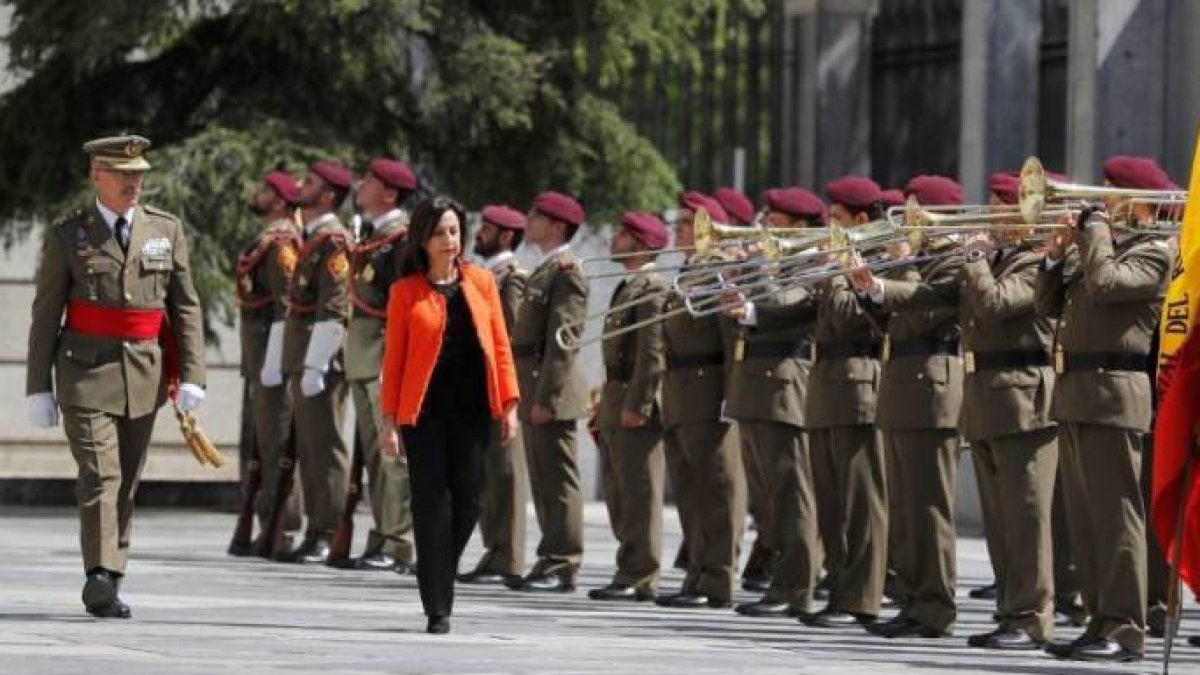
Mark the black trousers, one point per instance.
(445, 469)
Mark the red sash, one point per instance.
(127, 323)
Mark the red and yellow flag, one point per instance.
(1175, 425)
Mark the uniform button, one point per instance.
(70, 353)
(1099, 370)
(769, 373)
(700, 372)
(920, 376)
(128, 296)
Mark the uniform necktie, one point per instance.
(365, 230)
(121, 227)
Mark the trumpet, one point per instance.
(1037, 190)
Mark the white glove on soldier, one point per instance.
(323, 344)
(43, 410)
(271, 374)
(189, 397)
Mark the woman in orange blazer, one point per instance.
(447, 373)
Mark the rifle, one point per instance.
(241, 543)
(343, 536)
(272, 539)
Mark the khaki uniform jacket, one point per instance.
(772, 361)
(698, 361)
(512, 281)
(374, 265)
(264, 270)
(318, 292)
(922, 391)
(1109, 298)
(81, 260)
(633, 361)
(996, 303)
(549, 375)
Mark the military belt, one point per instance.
(779, 350)
(848, 350)
(527, 351)
(1102, 361)
(680, 361)
(926, 346)
(1001, 359)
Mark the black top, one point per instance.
(458, 387)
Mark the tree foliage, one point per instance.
(491, 100)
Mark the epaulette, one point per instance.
(67, 218)
(568, 264)
(154, 210)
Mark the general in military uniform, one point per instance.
(318, 310)
(700, 443)
(263, 273)
(1107, 290)
(554, 393)
(116, 328)
(505, 479)
(630, 412)
(374, 265)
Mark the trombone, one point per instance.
(1037, 190)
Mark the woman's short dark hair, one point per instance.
(421, 226)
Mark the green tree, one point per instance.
(491, 100)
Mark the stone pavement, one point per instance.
(198, 611)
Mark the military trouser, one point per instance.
(1016, 484)
(897, 523)
(851, 491)
(110, 453)
(505, 492)
(765, 552)
(926, 464)
(391, 531)
(1158, 572)
(631, 462)
(1101, 480)
(710, 485)
(272, 411)
(553, 463)
(322, 456)
(782, 452)
(1066, 578)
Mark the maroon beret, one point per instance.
(853, 192)
(698, 200)
(795, 201)
(559, 207)
(1138, 173)
(935, 190)
(646, 228)
(284, 185)
(334, 174)
(394, 174)
(735, 204)
(1005, 185)
(892, 198)
(504, 217)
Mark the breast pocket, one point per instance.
(102, 278)
(155, 277)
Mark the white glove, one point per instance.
(312, 383)
(325, 341)
(43, 411)
(189, 397)
(271, 374)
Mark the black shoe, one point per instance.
(1066, 649)
(1072, 619)
(824, 587)
(114, 610)
(1005, 639)
(756, 584)
(544, 583)
(314, 551)
(438, 625)
(99, 589)
(405, 567)
(765, 607)
(903, 626)
(1194, 640)
(377, 562)
(1156, 621)
(984, 592)
(1105, 649)
(685, 600)
(483, 578)
(241, 549)
(620, 593)
(837, 619)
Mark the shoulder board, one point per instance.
(568, 264)
(155, 211)
(70, 217)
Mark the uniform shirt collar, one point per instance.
(110, 216)
(549, 255)
(312, 225)
(498, 260)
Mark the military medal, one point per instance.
(739, 348)
(969, 362)
(1060, 361)
(887, 348)
(367, 275)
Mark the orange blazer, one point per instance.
(416, 320)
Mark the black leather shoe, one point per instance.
(620, 593)
(756, 584)
(824, 587)
(683, 600)
(1005, 639)
(317, 555)
(903, 626)
(1156, 621)
(482, 578)
(377, 562)
(835, 619)
(241, 549)
(544, 583)
(1065, 649)
(405, 567)
(1105, 649)
(114, 610)
(99, 589)
(438, 625)
(1071, 619)
(984, 592)
(764, 608)
(1194, 640)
